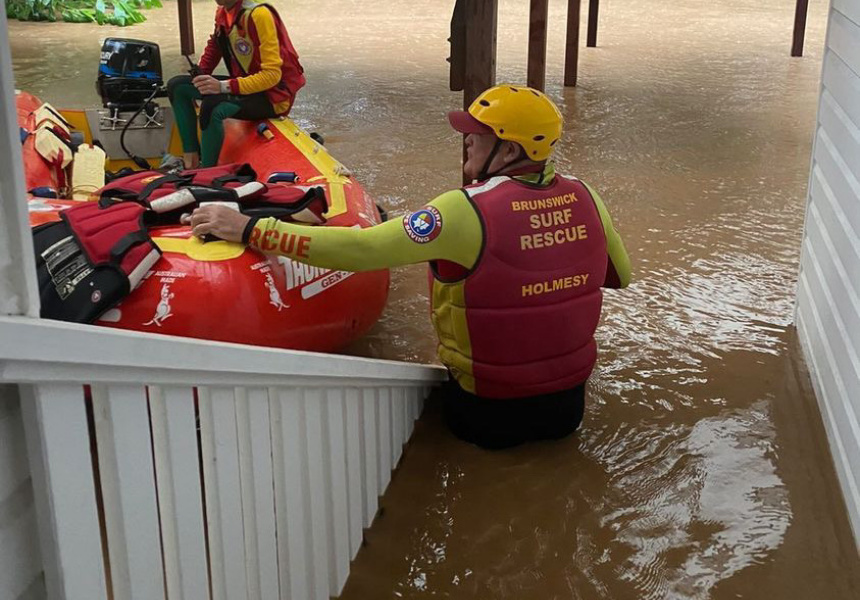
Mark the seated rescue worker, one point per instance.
(518, 260)
(264, 77)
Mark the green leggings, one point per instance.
(214, 108)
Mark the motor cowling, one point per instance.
(129, 73)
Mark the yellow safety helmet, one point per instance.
(514, 113)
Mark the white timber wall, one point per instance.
(828, 304)
(21, 573)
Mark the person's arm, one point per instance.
(618, 268)
(211, 55)
(446, 229)
(269, 74)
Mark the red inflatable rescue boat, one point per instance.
(225, 291)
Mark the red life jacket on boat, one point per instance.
(174, 194)
(91, 259)
(145, 186)
(521, 322)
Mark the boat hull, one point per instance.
(226, 292)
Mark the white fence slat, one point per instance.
(336, 496)
(370, 451)
(354, 467)
(383, 426)
(418, 401)
(408, 395)
(407, 414)
(317, 485)
(180, 498)
(223, 496)
(412, 397)
(404, 412)
(398, 427)
(258, 502)
(58, 449)
(404, 400)
(128, 488)
(421, 392)
(292, 498)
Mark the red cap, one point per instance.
(463, 122)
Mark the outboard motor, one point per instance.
(129, 80)
(129, 73)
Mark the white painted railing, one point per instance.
(203, 470)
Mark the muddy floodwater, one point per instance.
(702, 470)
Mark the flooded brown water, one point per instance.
(702, 470)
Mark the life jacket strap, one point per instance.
(150, 187)
(127, 242)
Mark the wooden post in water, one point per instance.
(593, 10)
(457, 73)
(186, 28)
(571, 54)
(537, 44)
(800, 11)
(480, 19)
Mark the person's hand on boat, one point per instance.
(220, 221)
(206, 84)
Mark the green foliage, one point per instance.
(103, 12)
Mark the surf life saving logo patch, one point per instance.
(423, 225)
(243, 47)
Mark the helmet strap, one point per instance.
(484, 174)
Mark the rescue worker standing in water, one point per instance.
(517, 259)
(264, 77)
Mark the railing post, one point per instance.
(19, 292)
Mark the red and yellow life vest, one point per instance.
(243, 42)
(521, 322)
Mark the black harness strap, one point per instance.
(219, 182)
(157, 183)
(127, 243)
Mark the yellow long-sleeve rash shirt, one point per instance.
(459, 240)
(270, 55)
(383, 246)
